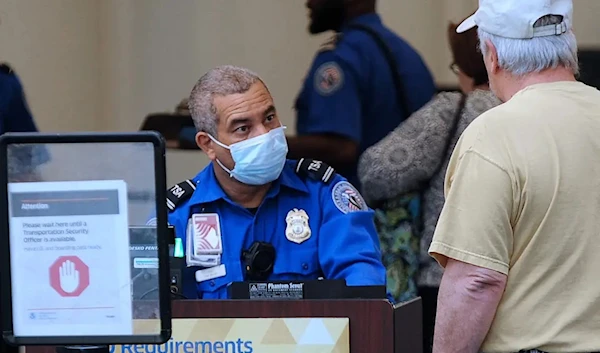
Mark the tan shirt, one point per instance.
(523, 198)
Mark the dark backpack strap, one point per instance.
(387, 52)
(453, 128)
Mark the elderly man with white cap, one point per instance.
(519, 234)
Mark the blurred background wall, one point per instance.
(105, 64)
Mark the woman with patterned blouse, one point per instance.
(417, 152)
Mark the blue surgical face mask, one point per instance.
(259, 160)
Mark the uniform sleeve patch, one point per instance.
(329, 78)
(347, 199)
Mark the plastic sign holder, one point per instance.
(89, 214)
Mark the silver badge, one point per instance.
(297, 229)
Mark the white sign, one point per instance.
(69, 248)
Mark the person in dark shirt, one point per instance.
(349, 100)
(14, 112)
(16, 117)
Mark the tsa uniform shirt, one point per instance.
(318, 229)
(14, 113)
(349, 90)
(15, 117)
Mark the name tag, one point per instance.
(210, 273)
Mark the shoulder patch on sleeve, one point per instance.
(347, 199)
(179, 193)
(314, 169)
(329, 78)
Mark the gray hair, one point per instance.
(526, 56)
(220, 81)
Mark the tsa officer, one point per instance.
(349, 100)
(252, 214)
(16, 117)
(14, 113)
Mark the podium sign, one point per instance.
(215, 326)
(255, 335)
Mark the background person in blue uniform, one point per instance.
(16, 117)
(349, 101)
(317, 222)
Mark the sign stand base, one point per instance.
(83, 349)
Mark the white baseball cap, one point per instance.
(515, 18)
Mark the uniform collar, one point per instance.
(209, 190)
(290, 179)
(207, 187)
(366, 19)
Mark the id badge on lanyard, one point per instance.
(204, 245)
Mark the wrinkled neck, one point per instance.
(516, 84)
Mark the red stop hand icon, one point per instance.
(69, 276)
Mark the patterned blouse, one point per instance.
(409, 156)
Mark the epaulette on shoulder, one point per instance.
(5, 69)
(315, 169)
(179, 193)
(331, 43)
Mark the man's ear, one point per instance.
(492, 57)
(206, 144)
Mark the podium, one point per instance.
(374, 325)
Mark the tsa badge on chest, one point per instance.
(297, 229)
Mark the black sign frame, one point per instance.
(6, 300)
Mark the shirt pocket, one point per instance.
(297, 264)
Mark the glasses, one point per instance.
(454, 68)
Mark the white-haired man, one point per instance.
(519, 232)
